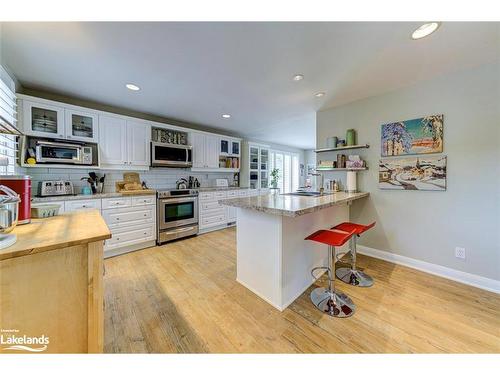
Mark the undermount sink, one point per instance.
(305, 193)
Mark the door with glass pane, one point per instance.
(254, 167)
(264, 168)
(81, 126)
(43, 120)
(288, 167)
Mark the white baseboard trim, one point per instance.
(127, 249)
(481, 282)
(293, 298)
(260, 295)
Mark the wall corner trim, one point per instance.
(477, 281)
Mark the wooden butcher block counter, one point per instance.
(51, 285)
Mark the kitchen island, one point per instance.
(51, 285)
(273, 259)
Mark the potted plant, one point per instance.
(275, 175)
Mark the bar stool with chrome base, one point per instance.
(352, 275)
(329, 300)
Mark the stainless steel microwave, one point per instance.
(170, 155)
(67, 153)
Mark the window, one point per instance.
(288, 165)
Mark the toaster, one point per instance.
(54, 188)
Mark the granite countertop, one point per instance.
(82, 196)
(65, 230)
(114, 195)
(292, 205)
(221, 188)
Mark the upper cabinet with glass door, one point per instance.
(43, 120)
(52, 121)
(235, 148)
(81, 126)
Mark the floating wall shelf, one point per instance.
(319, 169)
(341, 148)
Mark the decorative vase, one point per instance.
(351, 137)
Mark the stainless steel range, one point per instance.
(177, 214)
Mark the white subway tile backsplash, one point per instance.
(155, 178)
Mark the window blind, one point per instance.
(8, 129)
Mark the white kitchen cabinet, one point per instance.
(81, 126)
(86, 204)
(229, 146)
(124, 143)
(215, 216)
(212, 151)
(255, 166)
(138, 143)
(198, 142)
(42, 120)
(205, 150)
(231, 211)
(235, 148)
(212, 214)
(113, 140)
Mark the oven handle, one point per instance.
(178, 200)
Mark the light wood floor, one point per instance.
(183, 298)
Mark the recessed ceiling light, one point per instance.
(319, 94)
(425, 29)
(298, 77)
(132, 87)
(226, 116)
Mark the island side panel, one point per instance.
(300, 256)
(95, 294)
(46, 294)
(258, 258)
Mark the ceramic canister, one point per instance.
(331, 142)
(350, 137)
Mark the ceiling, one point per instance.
(195, 72)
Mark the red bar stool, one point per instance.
(352, 275)
(331, 301)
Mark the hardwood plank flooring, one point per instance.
(182, 297)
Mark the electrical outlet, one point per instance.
(460, 252)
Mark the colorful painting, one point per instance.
(412, 137)
(415, 173)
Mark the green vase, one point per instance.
(351, 137)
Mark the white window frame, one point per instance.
(287, 182)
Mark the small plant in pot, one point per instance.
(275, 175)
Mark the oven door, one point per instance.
(53, 152)
(166, 155)
(174, 212)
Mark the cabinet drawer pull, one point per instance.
(117, 218)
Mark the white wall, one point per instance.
(427, 225)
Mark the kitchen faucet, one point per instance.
(321, 189)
